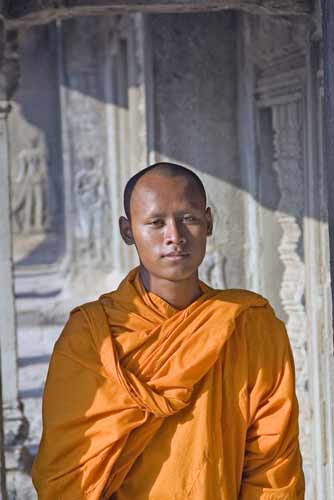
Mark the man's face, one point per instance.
(169, 226)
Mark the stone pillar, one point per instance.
(2, 456)
(14, 423)
(328, 45)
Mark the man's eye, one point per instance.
(157, 222)
(189, 218)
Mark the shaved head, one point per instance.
(164, 169)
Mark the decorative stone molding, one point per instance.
(126, 118)
(281, 88)
(287, 126)
(289, 165)
(275, 41)
(37, 11)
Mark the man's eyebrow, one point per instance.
(151, 215)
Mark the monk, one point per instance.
(167, 389)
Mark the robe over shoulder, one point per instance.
(147, 402)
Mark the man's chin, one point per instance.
(177, 274)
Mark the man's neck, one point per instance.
(179, 294)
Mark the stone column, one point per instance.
(2, 456)
(328, 45)
(14, 423)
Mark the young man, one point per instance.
(166, 389)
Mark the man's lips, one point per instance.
(176, 255)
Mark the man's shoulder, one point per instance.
(258, 318)
(243, 297)
(85, 326)
(88, 307)
(94, 307)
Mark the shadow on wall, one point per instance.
(36, 152)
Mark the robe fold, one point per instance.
(147, 402)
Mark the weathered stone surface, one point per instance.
(36, 11)
(2, 456)
(10, 71)
(194, 58)
(277, 51)
(328, 31)
(36, 166)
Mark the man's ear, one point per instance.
(125, 230)
(209, 221)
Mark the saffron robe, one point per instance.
(144, 401)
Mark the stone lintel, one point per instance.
(24, 12)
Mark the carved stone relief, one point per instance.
(279, 57)
(86, 125)
(36, 166)
(91, 203)
(29, 196)
(273, 38)
(213, 268)
(288, 163)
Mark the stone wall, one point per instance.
(195, 123)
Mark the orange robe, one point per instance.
(144, 401)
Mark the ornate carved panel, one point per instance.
(288, 163)
(280, 67)
(36, 165)
(83, 108)
(275, 38)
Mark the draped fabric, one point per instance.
(144, 401)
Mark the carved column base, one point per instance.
(18, 461)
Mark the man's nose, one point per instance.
(174, 233)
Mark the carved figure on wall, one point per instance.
(91, 200)
(213, 269)
(30, 190)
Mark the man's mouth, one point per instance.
(176, 255)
